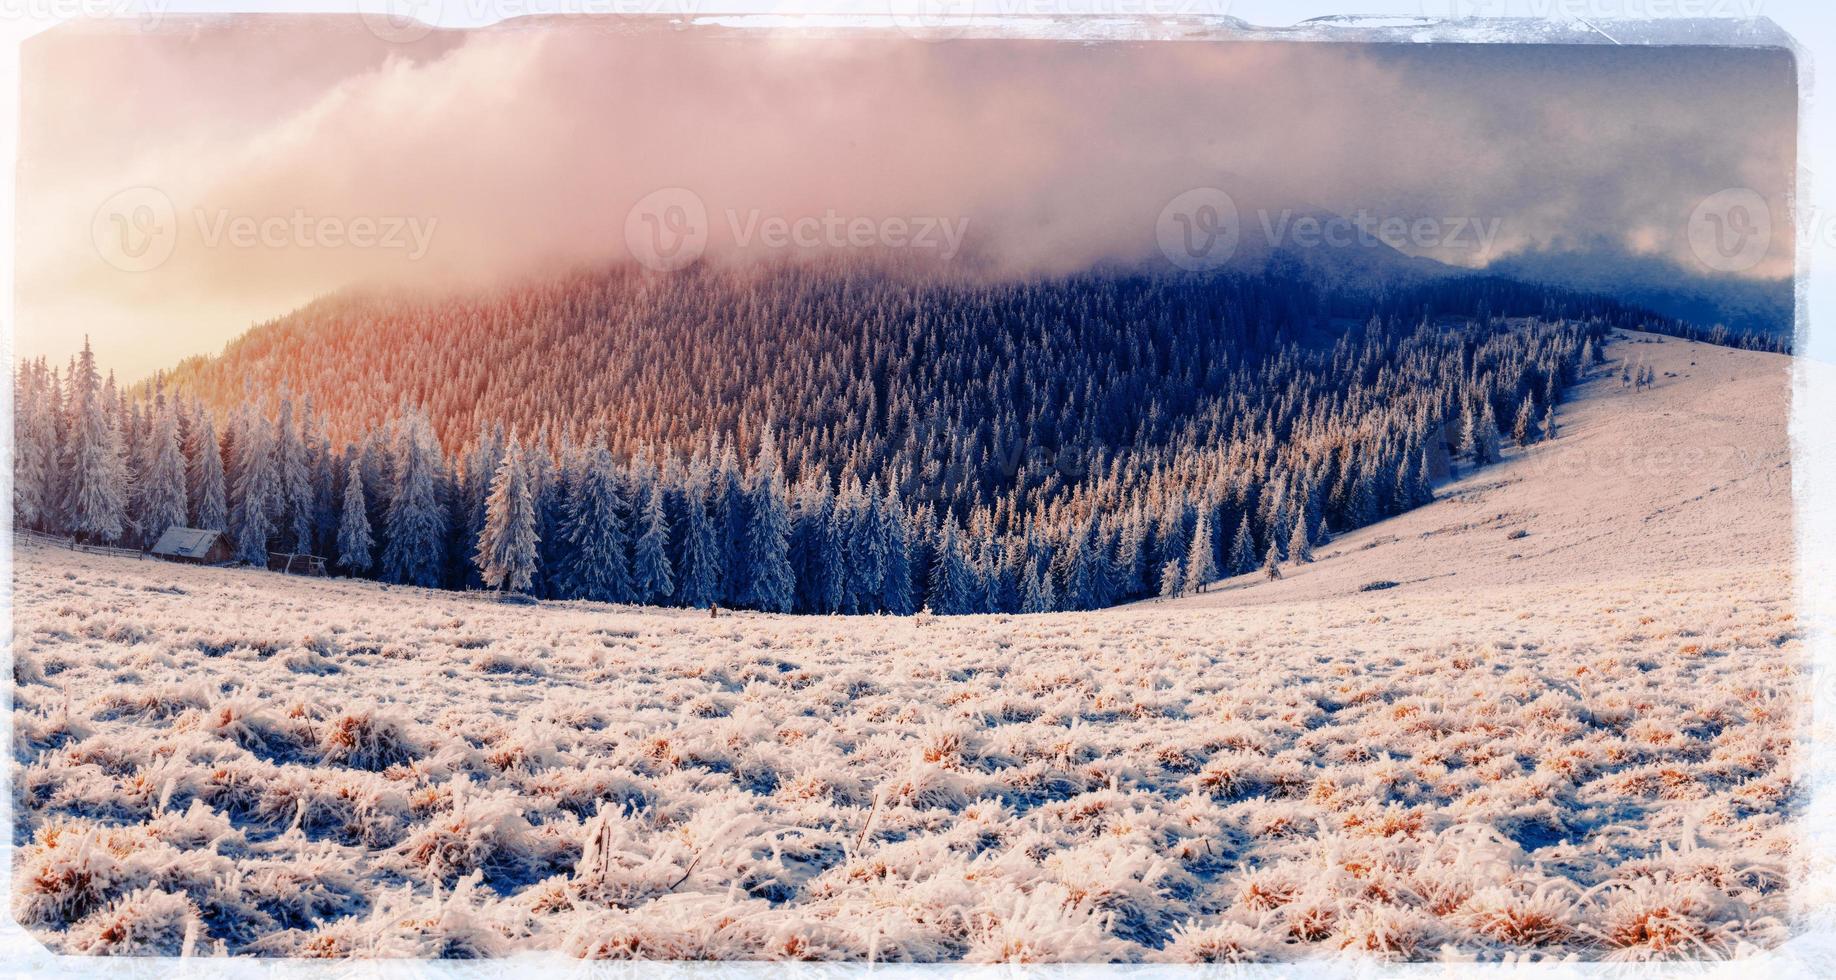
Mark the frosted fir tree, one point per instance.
(1524, 429)
(322, 466)
(480, 467)
(1131, 556)
(952, 580)
(1243, 548)
(770, 583)
(416, 521)
(356, 545)
(1300, 543)
(1172, 580)
(293, 490)
(599, 562)
(1201, 561)
(896, 584)
(1549, 426)
(1033, 597)
(204, 476)
(1081, 571)
(35, 467)
(96, 505)
(1424, 481)
(1481, 440)
(831, 553)
(867, 556)
(653, 580)
(252, 498)
(163, 503)
(1271, 564)
(699, 572)
(507, 549)
(731, 514)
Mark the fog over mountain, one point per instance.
(523, 149)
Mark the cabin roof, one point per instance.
(186, 542)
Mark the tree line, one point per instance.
(1066, 444)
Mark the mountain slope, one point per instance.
(1639, 486)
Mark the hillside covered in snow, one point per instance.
(1442, 738)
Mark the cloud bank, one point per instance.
(289, 149)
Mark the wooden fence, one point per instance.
(52, 540)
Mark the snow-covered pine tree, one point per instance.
(1300, 543)
(1243, 549)
(699, 574)
(322, 466)
(730, 511)
(831, 555)
(96, 505)
(356, 546)
(1201, 560)
(1424, 481)
(479, 467)
(769, 582)
(163, 503)
(1549, 423)
(1524, 429)
(952, 581)
(867, 552)
(252, 498)
(1033, 590)
(599, 549)
(1082, 569)
(1271, 564)
(896, 584)
(293, 514)
(1485, 436)
(507, 550)
(548, 490)
(653, 580)
(205, 491)
(1468, 444)
(1172, 580)
(415, 524)
(35, 435)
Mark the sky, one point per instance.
(180, 185)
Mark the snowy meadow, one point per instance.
(233, 761)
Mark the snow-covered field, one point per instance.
(1577, 740)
